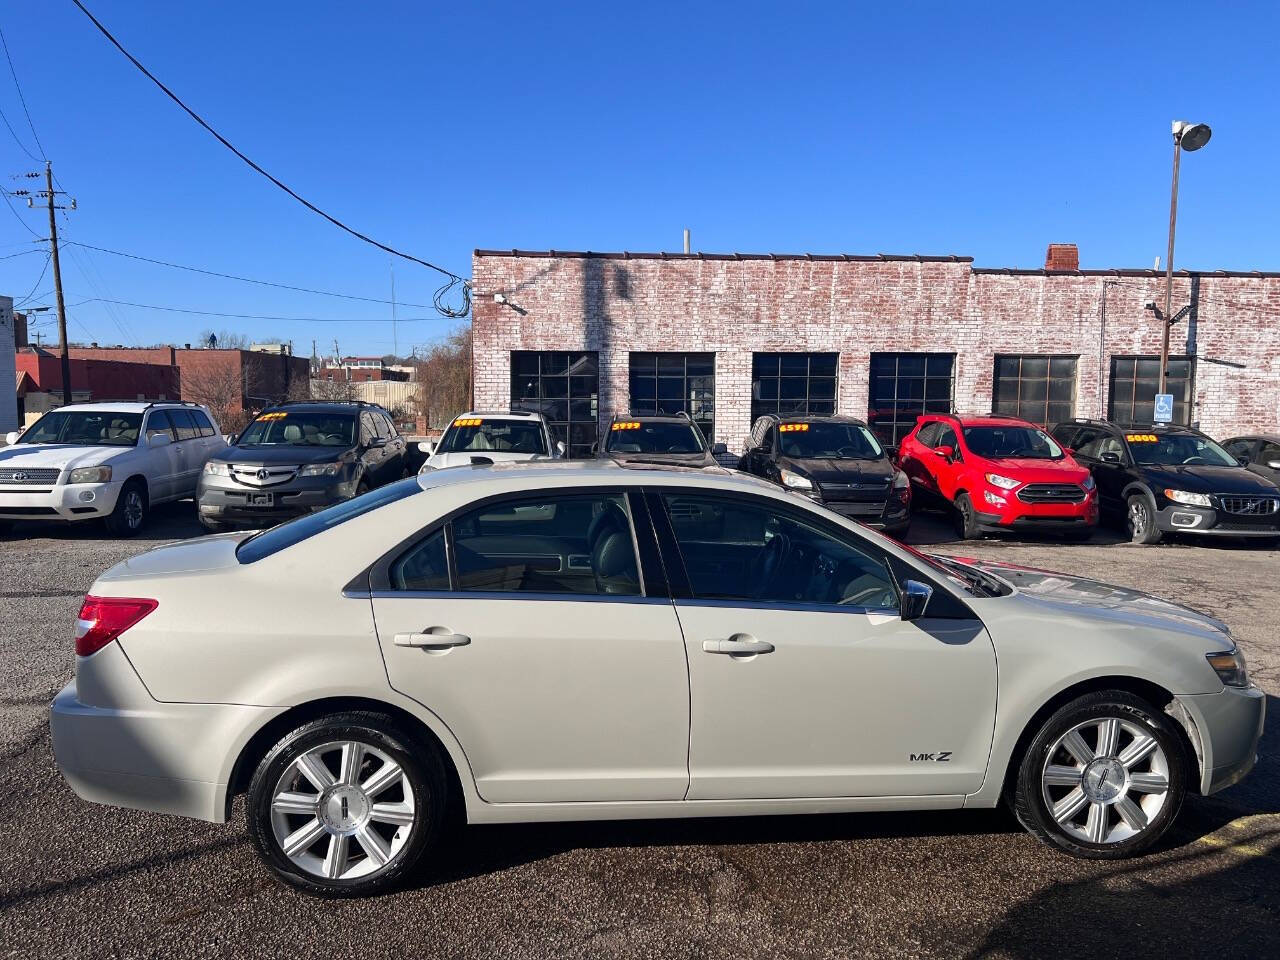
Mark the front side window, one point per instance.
(793, 384)
(566, 543)
(1175, 449)
(928, 435)
(653, 437)
(828, 441)
(1000, 442)
(1269, 454)
(672, 383)
(484, 435)
(159, 422)
(905, 385)
(740, 550)
(304, 428)
(85, 428)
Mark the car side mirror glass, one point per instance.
(158, 439)
(375, 442)
(427, 446)
(915, 597)
(718, 449)
(1110, 457)
(560, 448)
(946, 451)
(11, 437)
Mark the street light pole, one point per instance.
(1192, 136)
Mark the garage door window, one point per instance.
(564, 388)
(905, 385)
(1035, 387)
(1135, 381)
(793, 384)
(675, 383)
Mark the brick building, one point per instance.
(230, 382)
(361, 370)
(39, 375)
(728, 337)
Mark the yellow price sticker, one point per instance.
(793, 428)
(627, 425)
(1142, 438)
(468, 422)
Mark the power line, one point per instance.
(234, 316)
(231, 276)
(454, 279)
(35, 286)
(16, 139)
(14, 74)
(26, 226)
(20, 253)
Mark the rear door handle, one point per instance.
(432, 641)
(738, 645)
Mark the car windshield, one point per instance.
(501, 436)
(998, 442)
(300, 428)
(85, 428)
(632, 436)
(1175, 449)
(828, 441)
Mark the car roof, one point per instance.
(126, 406)
(498, 415)
(321, 406)
(979, 419)
(817, 418)
(1121, 427)
(651, 418)
(532, 475)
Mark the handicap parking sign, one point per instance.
(1164, 408)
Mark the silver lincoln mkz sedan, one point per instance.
(577, 641)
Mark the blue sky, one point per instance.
(858, 128)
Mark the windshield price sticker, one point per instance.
(793, 428)
(468, 422)
(273, 416)
(1142, 438)
(627, 425)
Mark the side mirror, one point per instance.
(560, 448)
(158, 439)
(1243, 461)
(719, 449)
(11, 437)
(1110, 456)
(232, 439)
(377, 442)
(915, 597)
(1067, 450)
(946, 451)
(427, 446)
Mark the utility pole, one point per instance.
(57, 282)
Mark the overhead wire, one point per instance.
(234, 316)
(35, 286)
(16, 139)
(26, 226)
(454, 280)
(14, 73)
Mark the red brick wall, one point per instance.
(733, 307)
(104, 379)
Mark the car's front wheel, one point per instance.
(130, 513)
(1141, 519)
(966, 518)
(347, 805)
(1103, 778)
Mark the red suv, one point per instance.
(999, 473)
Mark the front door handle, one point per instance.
(432, 641)
(738, 645)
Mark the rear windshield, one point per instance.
(83, 428)
(828, 441)
(300, 428)
(271, 541)
(654, 438)
(996, 443)
(503, 436)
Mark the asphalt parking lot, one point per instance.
(86, 881)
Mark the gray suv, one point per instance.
(297, 457)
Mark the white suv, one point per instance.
(107, 460)
(477, 438)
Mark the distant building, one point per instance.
(8, 374)
(271, 348)
(362, 370)
(39, 381)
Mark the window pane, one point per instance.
(910, 365)
(823, 364)
(524, 363)
(423, 567)
(795, 364)
(1033, 367)
(560, 544)
(734, 550)
(671, 364)
(822, 388)
(1006, 367)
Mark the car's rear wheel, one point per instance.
(347, 805)
(130, 513)
(966, 518)
(1104, 777)
(1141, 519)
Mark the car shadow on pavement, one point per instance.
(168, 521)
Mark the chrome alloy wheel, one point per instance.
(1105, 780)
(133, 508)
(1139, 518)
(342, 810)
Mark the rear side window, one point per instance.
(202, 422)
(424, 567)
(184, 424)
(928, 434)
(303, 528)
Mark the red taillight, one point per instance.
(102, 619)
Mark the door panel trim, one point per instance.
(499, 595)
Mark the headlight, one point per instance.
(1229, 665)
(900, 481)
(89, 475)
(795, 481)
(215, 469)
(1004, 483)
(1189, 498)
(321, 470)
(1088, 483)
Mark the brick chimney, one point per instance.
(1062, 256)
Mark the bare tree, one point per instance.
(220, 387)
(444, 378)
(331, 390)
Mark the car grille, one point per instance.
(871, 490)
(1250, 506)
(856, 509)
(29, 475)
(1229, 525)
(252, 475)
(1051, 493)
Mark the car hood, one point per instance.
(1119, 606)
(1205, 479)
(1037, 469)
(279, 454)
(466, 457)
(201, 555)
(822, 470)
(676, 459)
(46, 455)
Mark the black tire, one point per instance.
(131, 511)
(1029, 801)
(966, 518)
(1140, 519)
(422, 765)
